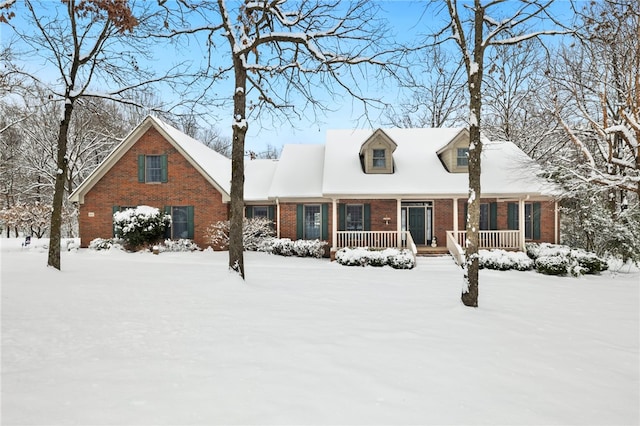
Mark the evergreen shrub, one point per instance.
(503, 260)
(362, 256)
(105, 244)
(140, 226)
(181, 245)
(299, 248)
(554, 259)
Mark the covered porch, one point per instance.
(441, 227)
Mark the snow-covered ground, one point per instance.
(143, 339)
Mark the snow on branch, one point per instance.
(577, 142)
(524, 37)
(625, 132)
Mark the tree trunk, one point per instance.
(475, 73)
(470, 288)
(236, 248)
(58, 196)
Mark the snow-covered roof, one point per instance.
(258, 175)
(213, 164)
(418, 170)
(299, 172)
(335, 169)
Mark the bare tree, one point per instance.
(476, 29)
(286, 58)
(599, 83)
(85, 44)
(436, 83)
(208, 135)
(595, 99)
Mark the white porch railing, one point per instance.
(454, 248)
(507, 240)
(376, 239)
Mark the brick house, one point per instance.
(392, 187)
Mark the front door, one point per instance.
(416, 225)
(417, 218)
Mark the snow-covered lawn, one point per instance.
(143, 339)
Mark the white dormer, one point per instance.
(376, 153)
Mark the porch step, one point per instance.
(431, 251)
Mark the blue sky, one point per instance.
(408, 20)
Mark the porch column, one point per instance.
(334, 224)
(278, 217)
(521, 222)
(455, 217)
(556, 224)
(399, 222)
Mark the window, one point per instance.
(462, 159)
(531, 219)
(379, 159)
(484, 216)
(528, 221)
(261, 211)
(181, 222)
(312, 222)
(355, 217)
(152, 168)
(267, 212)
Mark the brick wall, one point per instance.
(442, 217)
(547, 217)
(120, 186)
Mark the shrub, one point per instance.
(280, 246)
(553, 259)
(553, 265)
(503, 260)
(286, 247)
(180, 245)
(254, 232)
(589, 262)
(403, 260)
(352, 256)
(140, 226)
(397, 259)
(105, 244)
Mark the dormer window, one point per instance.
(455, 154)
(376, 153)
(463, 157)
(379, 159)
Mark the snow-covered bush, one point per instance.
(377, 258)
(254, 232)
(589, 222)
(503, 260)
(106, 244)
(589, 262)
(396, 258)
(300, 248)
(403, 260)
(554, 265)
(554, 259)
(309, 248)
(181, 245)
(140, 226)
(279, 246)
